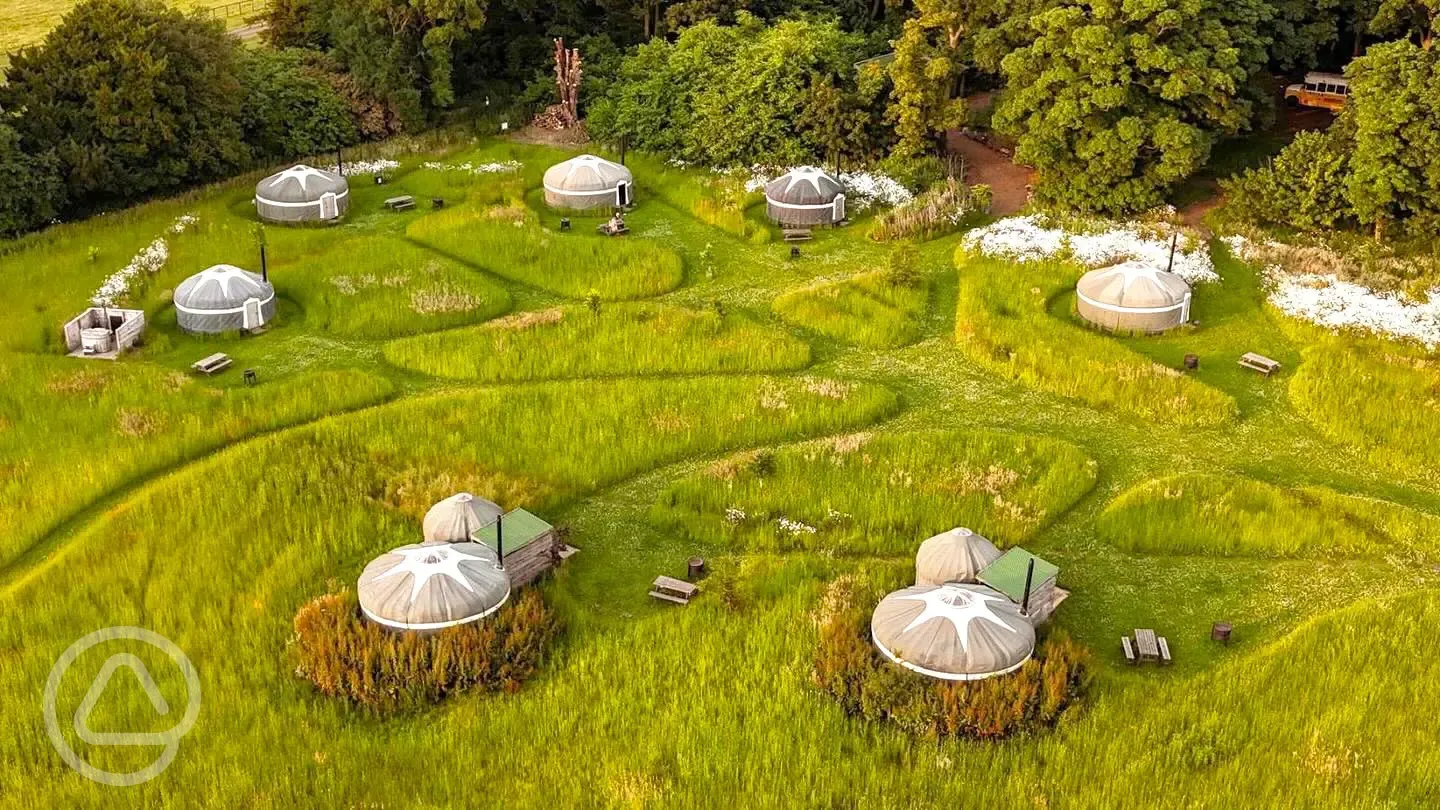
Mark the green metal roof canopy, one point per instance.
(521, 527)
(1007, 574)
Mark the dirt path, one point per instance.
(1009, 182)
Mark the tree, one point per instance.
(1115, 103)
(30, 186)
(290, 107)
(1302, 188)
(1394, 111)
(1412, 18)
(1302, 30)
(134, 98)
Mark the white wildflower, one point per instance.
(735, 515)
(794, 526)
(354, 167)
(1029, 238)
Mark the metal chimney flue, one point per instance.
(1029, 577)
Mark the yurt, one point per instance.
(1133, 297)
(952, 632)
(433, 586)
(805, 196)
(302, 194)
(587, 182)
(224, 298)
(458, 517)
(958, 555)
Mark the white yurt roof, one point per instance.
(953, 632)
(805, 185)
(300, 184)
(433, 586)
(958, 555)
(586, 173)
(1133, 285)
(222, 287)
(458, 517)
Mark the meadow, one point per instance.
(873, 309)
(211, 511)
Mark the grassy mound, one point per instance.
(1377, 396)
(387, 287)
(613, 340)
(1002, 325)
(102, 425)
(506, 241)
(883, 493)
(873, 309)
(1222, 515)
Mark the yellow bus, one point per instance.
(1326, 90)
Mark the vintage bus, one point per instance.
(1327, 90)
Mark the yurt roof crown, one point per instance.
(300, 184)
(952, 632)
(957, 555)
(221, 287)
(804, 185)
(1133, 285)
(430, 586)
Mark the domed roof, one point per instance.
(958, 555)
(433, 586)
(300, 184)
(221, 287)
(458, 517)
(1133, 285)
(586, 173)
(805, 185)
(952, 632)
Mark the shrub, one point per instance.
(291, 108)
(1303, 188)
(943, 208)
(382, 671)
(1034, 697)
(30, 186)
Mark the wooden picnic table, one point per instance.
(1147, 646)
(401, 203)
(216, 362)
(670, 589)
(1260, 363)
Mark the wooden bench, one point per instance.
(609, 230)
(797, 234)
(1260, 363)
(1164, 651)
(670, 589)
(403, 203)
(1128, 649)
(213, 364)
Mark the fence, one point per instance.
(239, 10)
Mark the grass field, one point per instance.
(427, 352)
(26, 22)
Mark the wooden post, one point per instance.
(264, 266)
(1174, 239)
(1029, 576)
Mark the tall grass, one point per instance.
(872, 309)
(1002, 325)
(879, 494)
(71, 431)
(1379, 397)
(508, 242)
(387, 287)
(718, 200)
(1219, 515)
(616, 339)
(945, 208)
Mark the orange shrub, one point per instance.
(383, 671)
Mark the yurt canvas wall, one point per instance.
(224, 298)
(805, 196)
(588, 182)
(302, 194)
(1133, 297)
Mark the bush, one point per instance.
(1303, 188)
(30, 186)
(292, 108)
(942, 209)
(383, 671)
(133, 97)
(852, 671)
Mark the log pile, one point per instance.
(566, 113)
